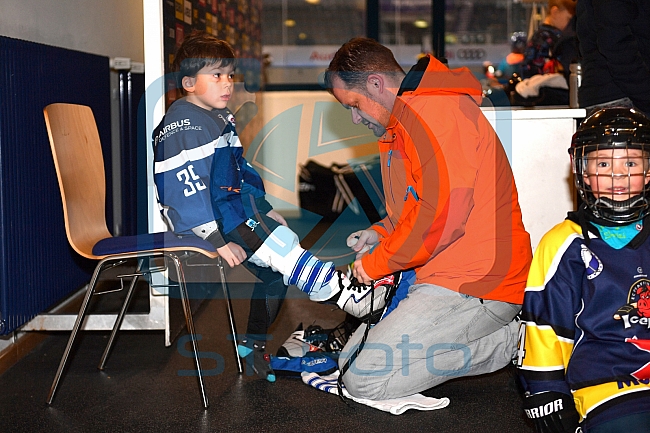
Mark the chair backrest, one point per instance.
(79, 163)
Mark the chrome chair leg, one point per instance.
(75, 329)
(189, 322)
(186, 310)
(120, 316)
(231, 316)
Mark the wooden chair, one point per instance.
(79, 165)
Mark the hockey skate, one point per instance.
(364, 300)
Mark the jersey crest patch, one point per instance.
(592, 263)
(637, 309)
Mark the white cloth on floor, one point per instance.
(396, 406)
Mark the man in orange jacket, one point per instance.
(453, 218)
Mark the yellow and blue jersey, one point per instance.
(586, 322)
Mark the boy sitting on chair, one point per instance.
(584, 348)
(206, 188)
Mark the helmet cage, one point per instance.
(619, 201)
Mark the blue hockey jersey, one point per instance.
(586, 323)
(200, 173)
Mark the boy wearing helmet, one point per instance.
(584, 343)
(513, 62)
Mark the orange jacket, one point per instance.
(451, 199)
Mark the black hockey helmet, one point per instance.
(612, 128)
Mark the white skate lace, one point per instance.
(355, 284)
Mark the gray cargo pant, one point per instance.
(434, 335)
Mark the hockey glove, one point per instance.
(552, 412)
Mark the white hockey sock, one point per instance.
(283, 253)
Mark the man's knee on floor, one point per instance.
(371, 369)
(371, 387)
(371, 374)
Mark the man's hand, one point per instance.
(277, 217)
(232, 253)
(359, 273)
(362, 240)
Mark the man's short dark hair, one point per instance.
(357, 59)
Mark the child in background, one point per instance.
(512, 63)
(206, 188)
(584, 348)
(539, 56)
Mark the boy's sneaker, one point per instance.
(254, 353)
(363, 300)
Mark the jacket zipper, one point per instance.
(411, 190)
(390, 177)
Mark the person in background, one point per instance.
(584, 350)
(614, 42)
(513, 62)
(540, 56)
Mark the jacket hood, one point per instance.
(430, 76)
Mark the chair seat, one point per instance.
(147, 242)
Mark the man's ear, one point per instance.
(188, 83)
(375, 84)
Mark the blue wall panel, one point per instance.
(37, 266)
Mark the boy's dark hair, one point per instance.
(200, 49)
(357, 59)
